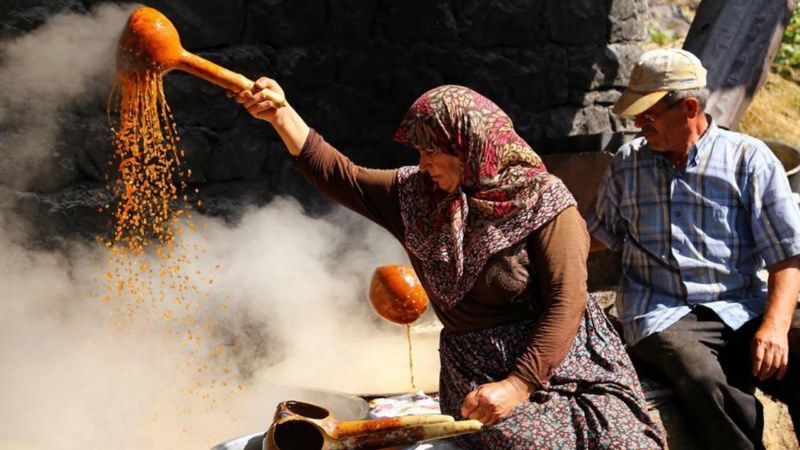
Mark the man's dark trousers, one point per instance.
(709, 365)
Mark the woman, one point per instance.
(501, 251)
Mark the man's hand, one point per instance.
(770, 350)
(492, 401)
(770, 346)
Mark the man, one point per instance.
(698, 211)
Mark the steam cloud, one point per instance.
(73, 379)
(71, 57)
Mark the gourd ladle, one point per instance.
(151, 43)
(303, 426)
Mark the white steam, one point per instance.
(72, 379)
(68, 58)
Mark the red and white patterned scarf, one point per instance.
(505, 192)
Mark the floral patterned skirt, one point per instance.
(593, 401)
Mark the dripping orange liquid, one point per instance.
(410, 357)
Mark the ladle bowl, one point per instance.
(151, 43)
(397, 295)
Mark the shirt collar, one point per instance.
(699, 149)
(706, 141)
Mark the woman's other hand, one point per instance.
(259, 101)
(492, 401)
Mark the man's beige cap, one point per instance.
(657, 73)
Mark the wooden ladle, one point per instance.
(303, 426)
(338, 430)
(150, 43)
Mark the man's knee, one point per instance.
(688, 365)
(700, 386)
(675, 351)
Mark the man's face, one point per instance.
(663, 125)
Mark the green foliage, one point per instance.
(660, 37)
(787, 59)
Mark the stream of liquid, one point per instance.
(410, 356)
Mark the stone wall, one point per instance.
(352, 68)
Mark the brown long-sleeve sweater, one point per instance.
(546, 271)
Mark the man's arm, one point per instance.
(770, 346)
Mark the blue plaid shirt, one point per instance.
(696, 235)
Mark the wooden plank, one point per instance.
(736, 40)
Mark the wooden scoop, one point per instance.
(323, 418)
(397, 295)
(150, 43)
(294, 434)
(303, 426)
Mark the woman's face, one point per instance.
(444, 169)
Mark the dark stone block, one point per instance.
(241, 154)
(196, 145)
(91, 144)
(506, 23)
(430, 21)
(310, 67)
(628, 19)
(196, 102)
(22, 16)
(605, 98)
(351, 20)
(591, 120)
(577, 21)
(530, 79)
(285, 22)
(623, 124)
(52, 218)
(600, 68)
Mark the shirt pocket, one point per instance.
(647, 221)
(714, 231)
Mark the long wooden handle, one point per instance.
(409, 435)
(215, 74)
(356, 427)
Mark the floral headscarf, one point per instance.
(505, 192)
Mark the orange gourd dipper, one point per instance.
(150, 43)
(397, 295)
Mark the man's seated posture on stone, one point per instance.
(698, 211)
